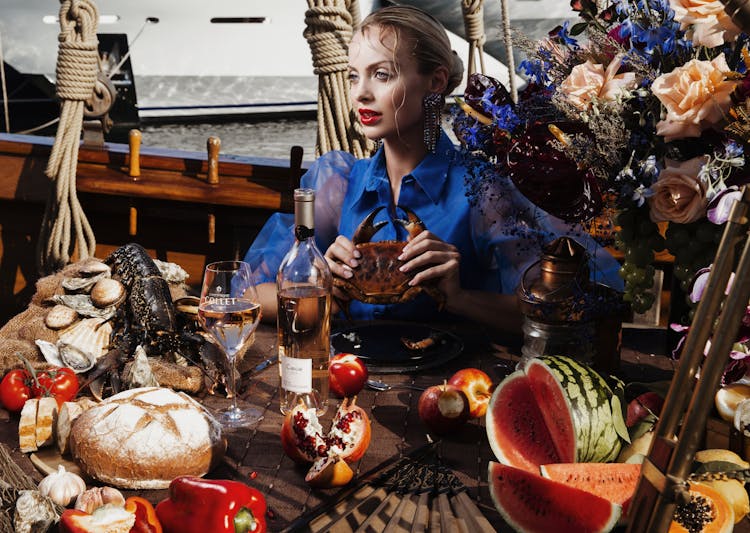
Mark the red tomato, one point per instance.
(60, 383)
(347, 374)
(15, 390)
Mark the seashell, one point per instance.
(171, 272)
(92, 267)
(50, 352)
(187, 305)
(139, 373)
(60, 316)
(76, 358)
(82, 284)
(82, 304)
(108, 292)
(83, 343)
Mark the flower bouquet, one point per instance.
(634, 117)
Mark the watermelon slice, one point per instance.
(516, 428)
(615, 482)
(530, 503)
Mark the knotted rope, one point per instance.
(509, 51)
(329, 30)
(77, 66)
(473, 11)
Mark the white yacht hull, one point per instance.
(195, 60)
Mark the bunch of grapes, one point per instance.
(638, 238)
(693, 246)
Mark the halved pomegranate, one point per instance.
(301, 435)
(349, 436)
(328, 472)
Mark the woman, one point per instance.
(401, 68)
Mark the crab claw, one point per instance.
(367, 229)
(414, 225)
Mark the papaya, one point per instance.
(707, 511)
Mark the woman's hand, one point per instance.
(341, 257)
(435, 260)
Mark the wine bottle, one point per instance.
(303, 287)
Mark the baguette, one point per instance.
(46, 420)
(68, 413)
(27, 426)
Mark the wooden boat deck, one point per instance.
(172, 208)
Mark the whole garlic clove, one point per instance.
(62, 487)
(91, 499)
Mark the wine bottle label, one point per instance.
(296, 374)
(302, 233)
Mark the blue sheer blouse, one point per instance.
(498, 232)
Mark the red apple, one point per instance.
(477, 386)
(347, 374)
(642, 407)
(443, 408)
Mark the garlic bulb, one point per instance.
(91, 499)
(62, 487)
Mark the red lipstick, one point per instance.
(368, 117)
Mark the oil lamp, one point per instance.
(565, 313)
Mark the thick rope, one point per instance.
(329, 30)
(509, 51)
(473, 11)
(77, 66)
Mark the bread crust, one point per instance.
(143, 438)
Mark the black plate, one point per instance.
(381, 348)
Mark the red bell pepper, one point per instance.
(197, 505)
(145, 515)
(105, 518)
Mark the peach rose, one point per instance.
(705, 22)
(590, 80)
(696, 96)
(679, 196)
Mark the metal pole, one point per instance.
(666, 467)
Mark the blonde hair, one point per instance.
(425, 37)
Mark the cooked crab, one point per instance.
(377, 279)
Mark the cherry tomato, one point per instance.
(15, 390)
(347, 374)
(59, 383)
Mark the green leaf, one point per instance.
(617, 419)
(578, 29)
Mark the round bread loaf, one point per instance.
(143, 438)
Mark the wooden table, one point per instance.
(255, 455)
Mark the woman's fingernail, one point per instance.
(403, 268)
(353, 262)
(357, 254)
(401, 257)
(348, 273)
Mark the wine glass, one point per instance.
(229, 311)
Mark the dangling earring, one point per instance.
(432, 105)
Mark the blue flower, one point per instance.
(535, 70)
(565, 37)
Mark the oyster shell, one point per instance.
(50, 352)
(92, 267)
(82, 303)
(139, 373)
(83, 343)
(172, 272)
(83, 284)
(108, 292)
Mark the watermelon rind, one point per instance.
(530, 503)
(515, 426)
(591, 403)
